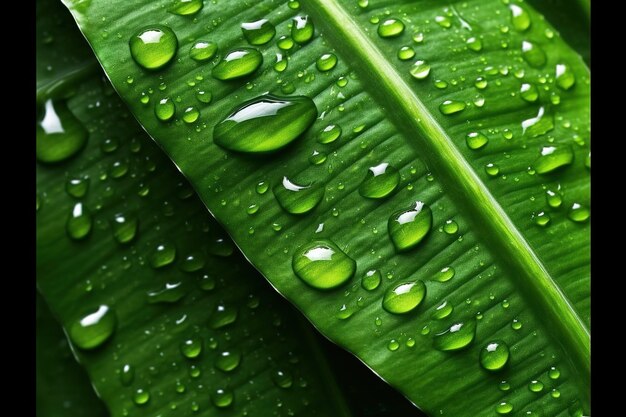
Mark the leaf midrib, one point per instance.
(439, 150)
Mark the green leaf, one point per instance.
(63, 389)
(521, 261)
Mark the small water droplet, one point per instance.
(443, 310)
(380, 181)
(494, 356)
(191, 348)
(541, 219)
(321, 264)
(162, 255)
(443, 21)
(77, 187)
(170, 292)
(408, 227)
(390, 28)
(237, 63)
(480, 83)
(191, 114)
(203, 50)
(529, 92)
(93, 328)
(405, 53)
(404, 297)
(164, 109)
(456, 337)
(222, 397)
(228, 361)
(127, 374)
(475, 44)
(445, 274)
(371, 280)
(152, 47)
(124, 227)
(492, 169)
(317, 158)
(393, 345)
(538, 125)
(450, 227)
(504, 408)
(535, 386)
(141, 396)
(282, 378)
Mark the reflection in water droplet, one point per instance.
(223, 397)
(141, 396)
(443, 310)
(407, 228)
(445, 274)
(405, 53)
(404, 297)
(191, 348)
(326, 62)
(329, 134)
(321, 264)
(93, 328)
(535, 386)
(228, 361)
(162, 255)
(164, 109)
(504, 408)
(492, 169)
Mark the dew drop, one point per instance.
(326, 62)
(390, 28)
(475, 44)
(153, 47)
(408, 227)
(529, 92)
(322, 265)
(329, 134)
(191, 348)
(579, 213)
(141, 396)
(443, 310)
(93, 328)
(552, 158)
(79, 222)
(237, 63)
(520, 19)
(371, 280)
(533, 54)
(203, 51)
(170, 292)
(380, 181)
(420, 69)
(298, 199)
(302, 29)
(405, 53)
(77, 187)
(162, 255)
(404, 297)
(228, 361)
(186, 7)
(456, 337)
(504, 408)
(124, 227)
(60, 135)
(164, 109)
(451, 107)
(492, 169)
(535, 386)
(565, 78)
(494, 356)
(222, 397)
(445, 274)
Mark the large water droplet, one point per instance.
(494, 356)
(79, 222)
(390, 28)
(223, 397)
(371, 280)
(60, 135)
(124, 227)
(164, 109)
(533, 54)
(228, 361)
(265, 124)
(552, 158)
(298, 199)
(259, 32)
(456, 337)
(237, 63)
(186, 7)
(326, 62)
(153, 47)
(163, 254)
(222, 316)
(302, 29)
(407, 228)
(380, 181)
(321, 264)
(529, 92)
(203, 51)
(451, 106)
(171, 292)
(520, 19)
(565, 78)
(94, 328)
(579, 213)
(404, 297)
(420, 69)
(476, 140)
(538, 125)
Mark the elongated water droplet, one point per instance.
(259, 32)
(164, 109)
(554, 199)
(93, 328)
(265, 124)
(451, 106)
(223, 397)
(541, 219)
(152, 47)
(565, 78)
(494, 356)
(380, 181)
(404, 297)
(520, 19)
(533, 54)
(203, 51)
(476, 140)
(535, 386)
(420, 69)
(298, 199)
(371, 280)
(405, 53)
(578, 213)
(390, 28)
(456, 337)
(407, 228)
(162, 255)
(191, 348)
(222, 316)
(538, 125)
(237, 63)
(127, 374)
(186, 7)
(529, 92)
(317, 157)
(79, 222)
(443, 310)
(443, 21)
(504, 408)
(329, 134)
(228, 361)
(446, 274)
(552, 158)
(171, 292)
(281, 62)
(124, 227)
(302, 29)
(60, 135)
(321, 264)
(326, 62)
(77, 187)
(474, 44)
(193, 261)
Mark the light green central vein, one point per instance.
(385, 83)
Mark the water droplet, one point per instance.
(480, 83)
(79, 222)
(285, 43)
(258, 32)
(191, 348)
(554, 199)
(407, 228)
(535, 386)
(326, 62)
(141, 396)
(443, 310)
(371, 280)
(541, 219)
(127, 374)
(119, 169)
(281, 62)
(451, 106)
(191, 114)
(578, 213)
(494, 356)
(405, 53)
(60, 135)
(93, 328)
(162, 255)
(538, 125)
(77, 187)
(450, 227)
(529, 92)
(390, 28)
(293, 4)
(552, 158)
(520, 19)
(152, 47)
(329, 134)
(565, 78)
(445, 274)
(363, 3)
(475, 44)
(298, 199)
(237, 63)
(262, 187)
(380, 181)
(228, 361)
(393, 345)
(504, 386)
(317, 158)
(222, 316)
(124, 227)
(420, 69)
(533, 54)
(222, 397)
(504, 408)
(321, 264)
(265, 124)
(443, 21)
(404, 297)
(456, 337)
(302, 29)
(555, 393)
(492, 169)
(203, 51)
(164, 109)
(476, 140)
(171, 292)
(185, 7)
